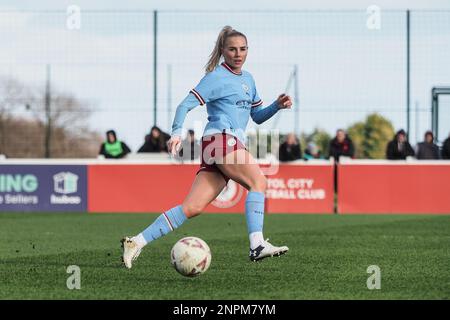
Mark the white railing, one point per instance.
(408, 161)
(146, 158)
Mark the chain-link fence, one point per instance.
(347, 67)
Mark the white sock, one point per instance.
(140, 240)
(256, 239)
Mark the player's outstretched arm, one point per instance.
(189, 103)
(261, 114)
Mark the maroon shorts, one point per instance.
(214, 148)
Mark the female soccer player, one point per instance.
(230, 96)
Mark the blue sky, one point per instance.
(345, 69)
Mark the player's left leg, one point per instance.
(205, 188)
(240, 166)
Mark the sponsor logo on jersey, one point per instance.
(243, 104)
(231, 142)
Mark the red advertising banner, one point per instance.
(394, 188)
(299, 188)
(151, 188)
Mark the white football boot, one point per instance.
(266, 250)
(131, 250)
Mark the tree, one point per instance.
(371, 136)
(23, 123)
(68, 117)
(14, 96)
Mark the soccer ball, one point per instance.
(190, 256)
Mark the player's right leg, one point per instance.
(206, 187)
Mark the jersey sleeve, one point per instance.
(261, 114)
(256, 101)
(188, 103)
(205, 90)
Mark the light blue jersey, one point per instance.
(230, 99)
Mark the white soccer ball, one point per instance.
(191, 256)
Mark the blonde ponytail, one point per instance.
(216, 54)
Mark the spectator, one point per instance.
(113, 148)
(190, 148)
(290, 150)
(399, 148)
(427, 150)
(156, 141)
(312, 152)
(446, 149)
(341, 145)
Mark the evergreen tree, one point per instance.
(371, 136)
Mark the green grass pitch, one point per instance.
(328, 257)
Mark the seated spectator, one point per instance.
(113, 148)
(427, 150)
(399, 148)
(446, 149)
(341, 145)
(190, 147)
(156, 141)
(312, 152)
(290, 150)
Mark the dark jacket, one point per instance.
(396, 152)
(104, 150)
(290, 152)
(446, 149)
(345, 148)
(155, 145)
(427, 151)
